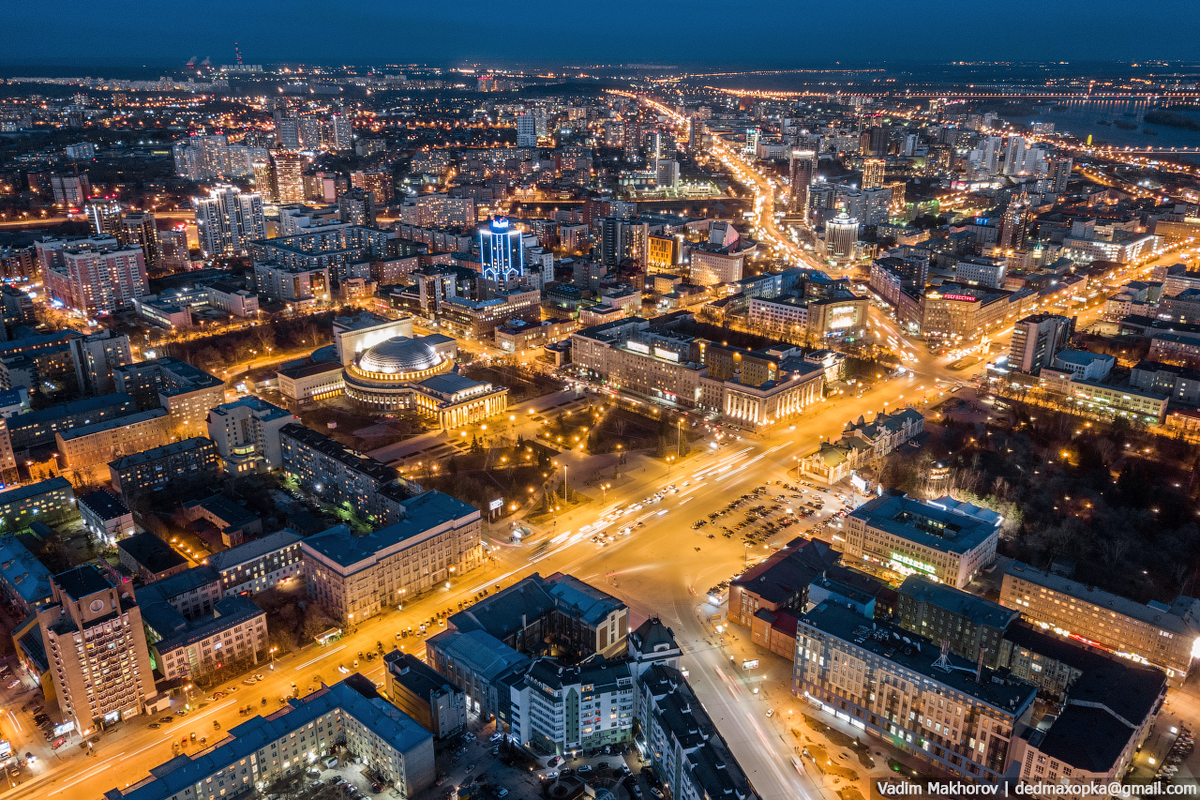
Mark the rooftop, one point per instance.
(944, 524)
(263, 409)
(789, 571)
(23, 572)
(61, 410)
(354, 696)
(963, 604)
(421, 513)
(1181, 617)
(82, 581)
(104, 504)
(123, 421)
(347, 456)
(480, 652)
(707, 755)
(162, 451)
(151, 552)
(174, 630)
(916, 654)
(581, 600)
(257, 548)
(1082, 358)
(416, 676)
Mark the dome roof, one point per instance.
(399, 355)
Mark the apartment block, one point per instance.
(192, 629)
(1152, 633)
(97, 444)
(190, 461)
(338, 474)
(348, 714)
(49, 501)
(960, 719)
(259, 564)
(96, 649)
(973, 626)
(186, 392)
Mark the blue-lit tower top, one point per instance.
(501, 257)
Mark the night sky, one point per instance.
(768, 33)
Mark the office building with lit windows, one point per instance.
(944, 540)
(501, 257)
(1154, 633)
(435, 539)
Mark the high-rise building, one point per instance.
(105, 217)
(228, 220)
(341, 133)
(95, 648)
(174, 252)
(289, 133)
(872, 173)
(1036, 339)
(1014, 226)
(991, 154)
(873, 141)
(289, 177)
(263, 173)
(378, 182)
(95, 356)
(356, 206)
(668, 174)
(526, 130)
(898, 198)
(803, 170)
(201, 157)
(877, 205)
(1014, 155)
(752, 137)
(310, 133)
(139, 228)
(98, 280)
(70, 190)
(841, 237)
(246, 433)
(1060, 173)
(501, 257)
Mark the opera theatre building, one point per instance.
(402, 374)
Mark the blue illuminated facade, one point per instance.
(501, 257)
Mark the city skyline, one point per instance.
(671, 431)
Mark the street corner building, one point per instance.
(253, 755)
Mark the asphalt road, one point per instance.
(661, 569)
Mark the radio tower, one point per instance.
(237, 52)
